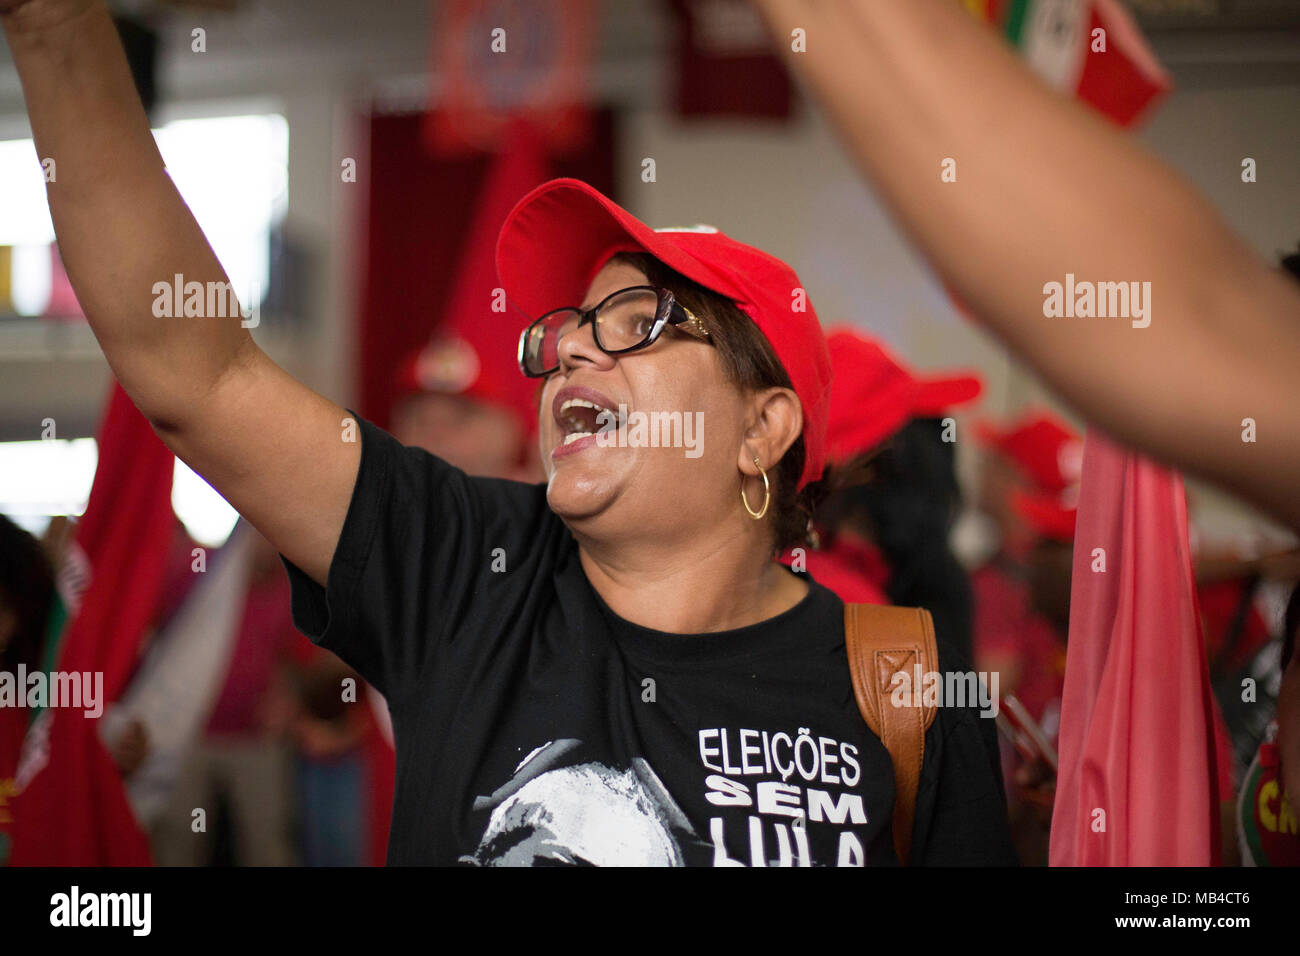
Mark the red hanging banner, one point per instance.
(501, 59)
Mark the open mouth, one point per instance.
(581, 413)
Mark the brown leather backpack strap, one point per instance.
(882, 641)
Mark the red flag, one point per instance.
(1090, 49)
(472, 349)
(477, 315)
(1124, 80)
(1136, 738)
(74, 810)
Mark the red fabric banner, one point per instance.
(1136, 740)
(472, 352)
(74, 811)
(419, 211)
(1127, 80)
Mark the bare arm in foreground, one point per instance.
(274, 448)
(1045, 188)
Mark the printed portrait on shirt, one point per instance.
(581, 814)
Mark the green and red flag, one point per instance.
(1090, 49)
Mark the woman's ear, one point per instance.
(774, 421)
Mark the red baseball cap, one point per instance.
(1050, 455)
(563, 232)
(1043, 447)
(873, 394)
(465, 366)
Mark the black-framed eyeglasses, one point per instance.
(622, 322)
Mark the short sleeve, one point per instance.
(408, 571)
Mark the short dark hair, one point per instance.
(750, 363)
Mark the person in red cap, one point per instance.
(607, 668)
(448, 404)
(1029, 487)
(1028, 490)
(889, 533)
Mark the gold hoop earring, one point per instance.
(767, 495)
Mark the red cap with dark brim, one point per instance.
(562, 233)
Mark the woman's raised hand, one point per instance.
(210, 393)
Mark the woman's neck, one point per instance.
(717, 584)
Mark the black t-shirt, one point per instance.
(534, 726)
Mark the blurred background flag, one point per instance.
(472, 349)
(1114, 70)
(173, 691)
(1136, 738)
(71, 808)
(538, 69)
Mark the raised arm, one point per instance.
(1045, 188)
(275, 449)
